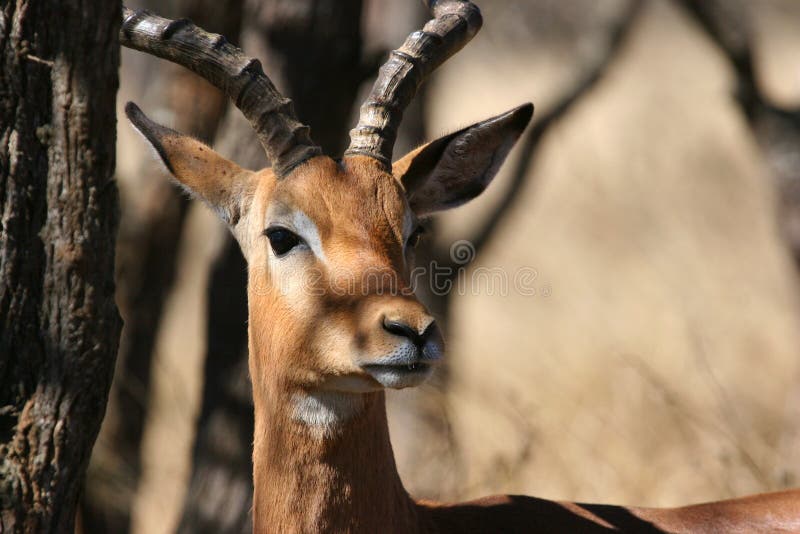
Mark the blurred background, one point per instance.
(656, 198)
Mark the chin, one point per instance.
(400, 377)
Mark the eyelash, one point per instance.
(282, 240)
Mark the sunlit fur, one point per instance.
(313, 400)
(360, 217)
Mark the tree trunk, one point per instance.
(312, 50)
(59, 326)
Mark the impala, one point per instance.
(320, 359)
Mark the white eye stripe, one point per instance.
(306, 229)
(301, 224)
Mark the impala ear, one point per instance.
(205, 174)
(456, 168)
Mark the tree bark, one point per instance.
(312, 50)
(59, 326)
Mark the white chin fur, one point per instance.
(325, 410)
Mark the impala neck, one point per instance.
(320, 478)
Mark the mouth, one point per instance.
(399, 373)
(399, 376)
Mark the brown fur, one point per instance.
(359, 212)
(310, 344)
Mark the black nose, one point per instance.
(402, 329)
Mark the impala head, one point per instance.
(330, 242)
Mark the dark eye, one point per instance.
(282, 240)
(416, 235)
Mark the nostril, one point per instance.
(401, 329)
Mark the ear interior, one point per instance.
(200, 170)
(458, 167)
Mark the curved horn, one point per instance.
(455, 22)
(286, 141)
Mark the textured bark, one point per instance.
(312, 49)
(59, 326)
(147, 251)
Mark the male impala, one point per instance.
(320, 359)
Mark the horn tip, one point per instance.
(134, 112)
(519, 117)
